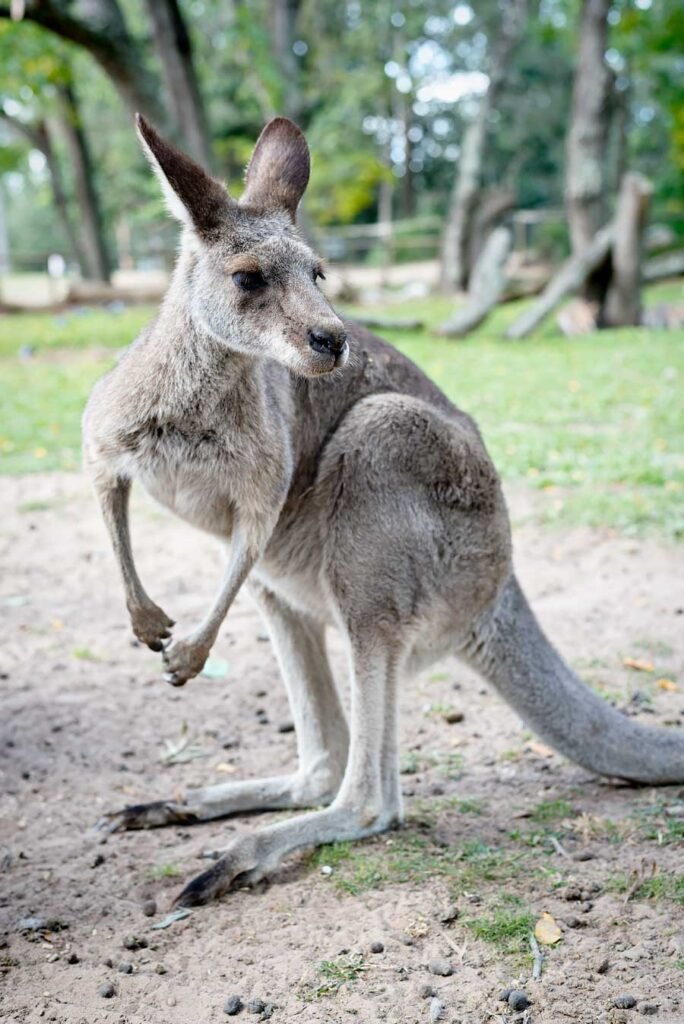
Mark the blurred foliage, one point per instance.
(370, 83)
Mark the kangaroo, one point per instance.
(348, 491)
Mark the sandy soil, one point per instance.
(85, 718)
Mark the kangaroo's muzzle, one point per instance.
(329, 342)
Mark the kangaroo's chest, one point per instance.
(196, 473)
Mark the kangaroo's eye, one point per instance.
(318, 275)
(249, 281)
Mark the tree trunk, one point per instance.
(283, 15)
(569, 279)
(623, 301)
(102, 31)
(587, 139)
(5, 262)
(39, 137)
(661, 267)
(467, 181)
(96, 261)
(495, 204)
(174, 49)
(487, 283)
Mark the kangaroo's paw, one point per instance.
(240, 865)
(183, 660)
(152, 815)
(151, 625)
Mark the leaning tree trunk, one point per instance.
(174, 49)
(465, 193)
(38, 137)
(622, 307)
(587, 139)
(486, 286)
(96, 260)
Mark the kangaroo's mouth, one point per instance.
(324, 361)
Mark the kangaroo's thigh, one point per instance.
(416, 529)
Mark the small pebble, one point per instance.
(256, 1006)
(97, 860)
(72, 958)
(134, 942)
(517, 1000)
(149, 908)
(159, 969)
(171, 1001)
(108, 962)
(107, 991)
(233, 1005)
(286, 727)
(625, 1002)
(449, 913)
(573, 922)
(436, 1010)
(427, 992)
(442, 968)
(267, 1011)
(326, 870)
(377, 947)
(406, 940)
(124, 967)
(451, 717)
(583, 855)
(648, 1009)
(503, 996)
(602, 966)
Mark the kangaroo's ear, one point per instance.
(192, 196)
(278, 171)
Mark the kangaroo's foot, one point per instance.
(151, 625)
(152, 815)
(183, 660)
(313, 787)
(253, 856)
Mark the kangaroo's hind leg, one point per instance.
(367, 802)
(321, 728)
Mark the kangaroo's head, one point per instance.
(251, 280)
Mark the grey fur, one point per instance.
(358, 497)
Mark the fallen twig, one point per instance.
(538, 958)
(558, 847)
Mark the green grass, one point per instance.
(594, 423)
(552, 810)
(666, 885)
(345, 970)
(410, 858)
(508, 928)
(159, 871)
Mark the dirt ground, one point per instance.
(496, 824)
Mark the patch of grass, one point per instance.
(41, 408)
(158, 871)
(34, 506)
(660, 826)
(85, 654)
(345, 970)
(552, 810)
(507, 929)
(409, 763)
(411, 858)
(78, 328)
(332, 854)
(665, 885)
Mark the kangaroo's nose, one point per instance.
(328, 342)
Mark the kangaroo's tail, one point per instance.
(510, 650)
